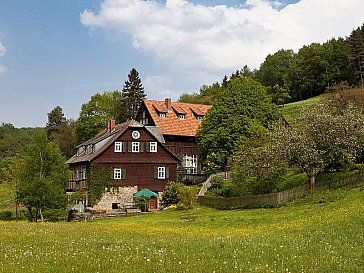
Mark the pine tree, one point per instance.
(133, 94)
(355, 44)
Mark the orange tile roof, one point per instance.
(171, 124)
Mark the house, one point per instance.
(178, 123)
(133, 154)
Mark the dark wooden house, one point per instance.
(133, 154)
(178, 123)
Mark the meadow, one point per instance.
(322, 233)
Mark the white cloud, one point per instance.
(191, 37)
(3, 68)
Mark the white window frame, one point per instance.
(118, 174)
(182, 116)
(161, 173)
(118, 147)
(153, 147)
(135, 147)
(162, 115)
(199, 118)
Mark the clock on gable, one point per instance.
(135, 134)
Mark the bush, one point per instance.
(170, 193)
(6, 215)
(55, 215)
(187, 197)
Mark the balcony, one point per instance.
(80, 184)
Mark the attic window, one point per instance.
(181, 116)
(162, 115)
(199, 118)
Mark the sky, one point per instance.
(60, 53)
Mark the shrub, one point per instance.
(6, 215)
(55, 215)
(187, 197)
(170, 193)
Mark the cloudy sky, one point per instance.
(62, 52)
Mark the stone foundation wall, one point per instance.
(123, 196)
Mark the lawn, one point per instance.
(291, 111)
(323, 233)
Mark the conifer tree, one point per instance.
(355, 44)
(132, 94)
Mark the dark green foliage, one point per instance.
(170, 193)
(98, 182)
(226, 123)
(55, 215)
(55, 120)
(355, 45)
(6, 215)
(132, 95)
(221, 187)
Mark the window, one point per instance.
(135, 147)
(153, 147)
(162, 115)
(161, 172)
(199, 118)
(118, 147)
(181, 116)
(190, 163)
(117, 174)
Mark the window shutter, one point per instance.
(124, 147)
(141, 147)
(112, 174)
(148, 147)
(155, 172)
(123, 175)
(129, 147)
(167, 172)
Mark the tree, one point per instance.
(55, 120)
(257, 167)
(327, 138)
(132, 94)
(274, 70)
(355, 45)
(97, 112)
(226, 123)
(42, 177)
(207, 95)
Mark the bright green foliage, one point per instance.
(98, 182)
(280, 95)
(274, 70)
(41, 176)
(207, 95)
(226, 123)
(132, 95)
(97, 112)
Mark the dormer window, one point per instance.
(162, 115)
(199, 118)
(181, 116)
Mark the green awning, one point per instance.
(145, 193)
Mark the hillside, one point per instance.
(290, 111)
(322, 233)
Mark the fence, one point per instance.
(278, 197)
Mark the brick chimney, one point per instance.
(168, 103)
(111, 125)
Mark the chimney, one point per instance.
(111, 125)
(168, 103)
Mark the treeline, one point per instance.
(290, 76)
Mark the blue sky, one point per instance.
(62, 52)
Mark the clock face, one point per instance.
(135, 134)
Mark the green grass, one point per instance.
(291, 111)
(323, 233)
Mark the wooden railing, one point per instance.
(80, 184)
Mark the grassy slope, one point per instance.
(6, 196)
(291, 110)
(323, 233)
